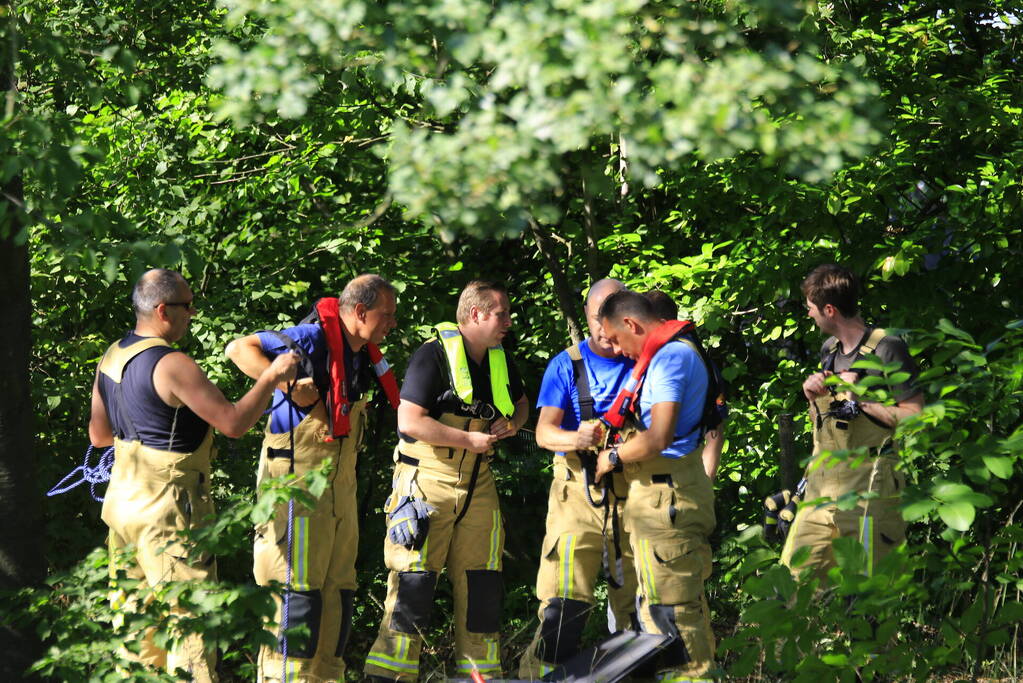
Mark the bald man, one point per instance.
(159, 410)
(583, 518)
(312, 550)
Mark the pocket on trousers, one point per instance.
(672, 572)
(278, 461)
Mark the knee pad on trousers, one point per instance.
(562, 629)
(304, 609)
(347, 607)
(414, 603)
(486, 593)
(675, 654)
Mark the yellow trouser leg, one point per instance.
(670, 513)
(571, 559)
(150, 492)
(470, 549)
(320, 558)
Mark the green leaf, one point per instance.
(1000, 466)
(958, 515)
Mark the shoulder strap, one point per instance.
(830, 351)
(303, 358)
(876, 335)
(582, 383)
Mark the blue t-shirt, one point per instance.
(309, 337)
(676, 373)
(558, 387)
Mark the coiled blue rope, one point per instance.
(100, 474)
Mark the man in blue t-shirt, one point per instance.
(669, 512)
(318, 564)
(582, 517)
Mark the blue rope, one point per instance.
(93, 475)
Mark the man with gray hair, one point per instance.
(158, 409)
(321, 417)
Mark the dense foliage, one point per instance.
(717, 150)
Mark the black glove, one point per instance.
(409, 523)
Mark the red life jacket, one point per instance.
(329, 315)
(624, 403)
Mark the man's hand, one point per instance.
(502, 428)
(283, 368)
(303, 392)
(603, 464)
(481, 442)
(814, 385)
(589, 435)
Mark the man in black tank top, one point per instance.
(158, 409)
(843, 422)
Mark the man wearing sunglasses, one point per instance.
(158, 409)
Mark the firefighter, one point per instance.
(843, 421)
(461, 394)
(322, 417)
(669, 510)
(159, 410)
(584, 533)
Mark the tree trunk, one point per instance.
(787, 459)
(21, 558)
(592, 250)
(566, 297)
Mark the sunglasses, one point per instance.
(187, 305)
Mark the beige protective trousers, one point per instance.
(833, 472)
(578, 538)
(669, 514)
(153, 496)
(466, 536)
(319, 565)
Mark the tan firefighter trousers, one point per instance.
(669, 514)
(320, 561)
(466, 536)
(579, 537)
(153, 496)
(832, 473)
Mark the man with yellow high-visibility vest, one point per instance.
(461, 394)
(843, 421)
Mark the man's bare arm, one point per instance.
(649, 443)
(247, 353)
(713, 443)
(415, 421)
(178, 380)
(892, 415)
(101, 434)
(551, 436)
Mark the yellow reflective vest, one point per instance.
(458, 364)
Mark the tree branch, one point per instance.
(566, 298)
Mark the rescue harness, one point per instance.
(326, 312)
(626, 405)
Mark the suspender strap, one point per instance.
(582, 383)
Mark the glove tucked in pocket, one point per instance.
(409, 522)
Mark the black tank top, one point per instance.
(136, 411)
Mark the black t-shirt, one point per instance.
(890, 349)
(427, 378)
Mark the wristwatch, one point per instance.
(612, 457)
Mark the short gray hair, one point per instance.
(155, 287)
(364, 289)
